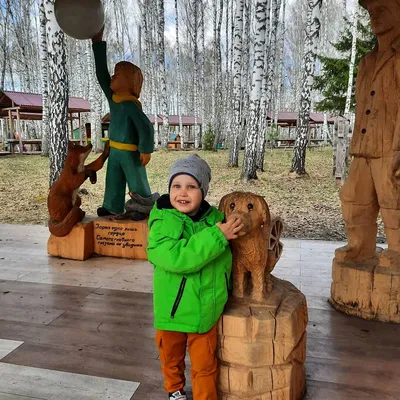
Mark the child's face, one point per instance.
(185, 194)
(120, 83)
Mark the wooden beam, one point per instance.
(80, 129)
(21, 148)
(72, 126)
(11, 108)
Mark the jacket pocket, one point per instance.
(178, 297)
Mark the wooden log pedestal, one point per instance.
(367, 290)
(262, 347)
(77, 245)
(102, 236)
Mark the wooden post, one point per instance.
(341, 130)
(80, 129)
(21, 150)
(71, 125)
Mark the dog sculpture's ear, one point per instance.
(264, 210)
(222, 203)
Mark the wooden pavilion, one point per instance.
(188, 121)
(17, 106)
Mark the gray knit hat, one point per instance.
(194, 166)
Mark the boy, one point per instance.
(131, 132)
(189, 248)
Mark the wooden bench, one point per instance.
(15, 142)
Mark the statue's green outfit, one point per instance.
(130, 134)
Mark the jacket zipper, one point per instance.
(178, 297)
(227, 284)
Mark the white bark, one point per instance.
(44, 80)
(58, 93)
(312, 37)
(178, 77)
(196, 73)
(237, 82)
(161, 71)
(352, 60)
(249, 163)
(266, 101)
(281, 51)
(218, 100)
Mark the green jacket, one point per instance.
(192, 268)
(128, 123)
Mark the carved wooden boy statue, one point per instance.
(131, 132)
(373, 182)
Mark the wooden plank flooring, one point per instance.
(73, 317)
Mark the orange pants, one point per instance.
(202, 348)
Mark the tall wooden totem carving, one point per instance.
(366, 280)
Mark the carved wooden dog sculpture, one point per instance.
(253, 257)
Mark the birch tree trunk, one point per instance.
(95, 96)
(249, 162)
(244, 112)
(4, 17)
(204, 120)
(310, 53)
(233, 160)
(270, 78)
(178, 72)
(218, 71)
(196, 74)
(202, 74)
(281, 50)
(161, 70)
(352, 60)
(58, 93)
(44, 80)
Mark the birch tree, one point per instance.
(178, 71)
(249, 162)
(237, 84)
(352, 61)
(218, 7)
(4, 46)
(246, 73)
(44, 79)
(161, 71)
(269, 78)
(58, 93)
(281, 51)
(310, 53)
(196, 90)
(95, 96)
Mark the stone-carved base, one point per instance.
(77, 245)
(366, 290)
(121, 238)
(262, 347)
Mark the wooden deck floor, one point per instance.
(95, 318)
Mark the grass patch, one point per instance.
(310, 207)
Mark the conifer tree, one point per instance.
(333, 80)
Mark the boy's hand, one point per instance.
(99, 36)
(145, 158)
(231, 228)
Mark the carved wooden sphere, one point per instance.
(80, 19)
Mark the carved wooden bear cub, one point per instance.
(257, 249)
